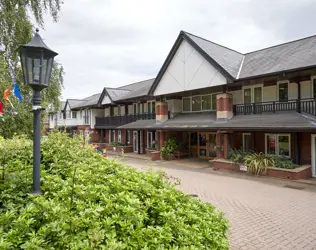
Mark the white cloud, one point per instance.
(117, 42)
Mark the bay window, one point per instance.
(278, 144)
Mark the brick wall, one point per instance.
(306, 148)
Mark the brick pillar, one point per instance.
(163, 135)
(219, 142)
(123, 136)
(161, 111)
(224, 106)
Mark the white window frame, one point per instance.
(149, 143)
(151, 106)
(312, 86)
(277, 149)
(190, 98)
(243, 140)
(288, 89)
(119, 136)
(202, 110)
(110, 135)
(252, 89)
(72, 116)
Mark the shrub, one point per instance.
(169, 147)
(237, 156)
(117, 144)
(283, 162)
(91, 202)
(257, 163)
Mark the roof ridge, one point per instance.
(185, 32)
(273, 46)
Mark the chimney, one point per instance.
(224, 106)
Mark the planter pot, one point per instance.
(149, 151)
(155, 156)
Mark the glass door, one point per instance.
(206, 145)
(135, 141)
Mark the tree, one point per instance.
(16, 29)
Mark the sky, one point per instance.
(110, 43)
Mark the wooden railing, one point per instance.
(303, 105)
(123, 119)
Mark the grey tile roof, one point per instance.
(282, 120)
(117, 93)
(86, 102)
(140, 124)
(297, 54)
(74, 103)
(137, 89)
(229, 59)
(288, 56)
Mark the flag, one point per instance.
(1, 111)
(6, 94)
(16, 91)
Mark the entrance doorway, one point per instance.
(314, 155)
(206, 147)
(135, 141)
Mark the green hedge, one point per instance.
(90, 202)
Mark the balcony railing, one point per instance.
(123, 119)
(303, 105)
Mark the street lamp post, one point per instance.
(37, 63)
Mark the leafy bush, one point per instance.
(91, 202)
(169, 147)
(257, 163)
(237, 156)
(283, 162)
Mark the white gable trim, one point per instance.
(188, 70)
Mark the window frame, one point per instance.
(149, 144)
(313, 78)
(277, 148)
(72, 115)
(252, 89)
(190, 99)
(288, 90)
(243, 141)
(128, 136)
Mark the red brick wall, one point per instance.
(224, 103)
(306, 148)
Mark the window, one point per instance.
(214, 101)
(119, 136)
(86, 117)
(206, 102)
(283, 90)
(314, 88)
(278, 144)
(196, 103)
(149, 139)
(153, 109)
(128, 137)
(80, 114)
(74, 115)
(257, 94)
(247, 96)
(252, 94)
(149, 107)
(246, 142)
(186, 104)
(112, 135)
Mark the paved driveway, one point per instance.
(263, 214)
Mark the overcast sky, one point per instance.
(117, 42)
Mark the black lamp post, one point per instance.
(37, 63)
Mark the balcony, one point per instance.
(123, 119)
(303, 105)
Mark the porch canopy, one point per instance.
(139, 124)
(207, 121)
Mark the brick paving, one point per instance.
(261, 215)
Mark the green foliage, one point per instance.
(257, 163)
(169, 147)
(237, 156)
(283, 162)
(16, 29)
(91, 202)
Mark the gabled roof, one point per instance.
(90, 101)
(134, 90)
(298, 54)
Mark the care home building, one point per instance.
(213, 99)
